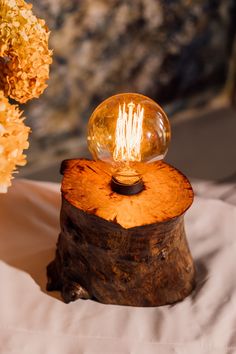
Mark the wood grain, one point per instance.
(117, 249)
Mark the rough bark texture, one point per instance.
(127, 250)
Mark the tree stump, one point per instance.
(117, 249)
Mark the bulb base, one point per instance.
(126, 189)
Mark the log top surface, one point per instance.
(167, 193)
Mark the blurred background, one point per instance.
(180, 53)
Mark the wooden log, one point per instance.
(127, 250)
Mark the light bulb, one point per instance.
(126, 130)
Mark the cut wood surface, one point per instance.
(87, 186)
(126, 250)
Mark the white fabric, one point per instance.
(33, 321)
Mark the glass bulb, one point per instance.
(125, 130)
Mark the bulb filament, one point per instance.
(128, 133)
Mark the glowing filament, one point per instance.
(128, 133)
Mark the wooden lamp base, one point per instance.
(117, 249)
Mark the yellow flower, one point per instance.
(13, 140)
(24, 53)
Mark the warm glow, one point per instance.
(127, 129)
(128, 133)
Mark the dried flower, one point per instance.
(13, 140)
(24, 53)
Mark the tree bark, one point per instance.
(126, 250)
